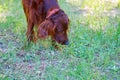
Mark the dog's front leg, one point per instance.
(30, 33)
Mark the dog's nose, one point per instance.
(66, 43)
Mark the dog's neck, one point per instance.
(51, 12)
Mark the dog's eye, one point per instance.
(61, 32)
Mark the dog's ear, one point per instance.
(45, 29)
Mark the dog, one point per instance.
(49, 19)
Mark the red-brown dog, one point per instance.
(49, 19)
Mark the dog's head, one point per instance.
(55, 25)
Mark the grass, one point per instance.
(93, 53)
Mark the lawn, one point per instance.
(93, 52)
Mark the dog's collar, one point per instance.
(51, 12)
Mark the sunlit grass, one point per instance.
(97, 5)
(2, 13)
(96, 13)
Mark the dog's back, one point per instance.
(37, 10)
(50, 4)
(34, 10)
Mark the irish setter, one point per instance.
(49, 19)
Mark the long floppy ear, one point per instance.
(45, 29)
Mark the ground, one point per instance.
(93, 53)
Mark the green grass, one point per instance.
(93, 53)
